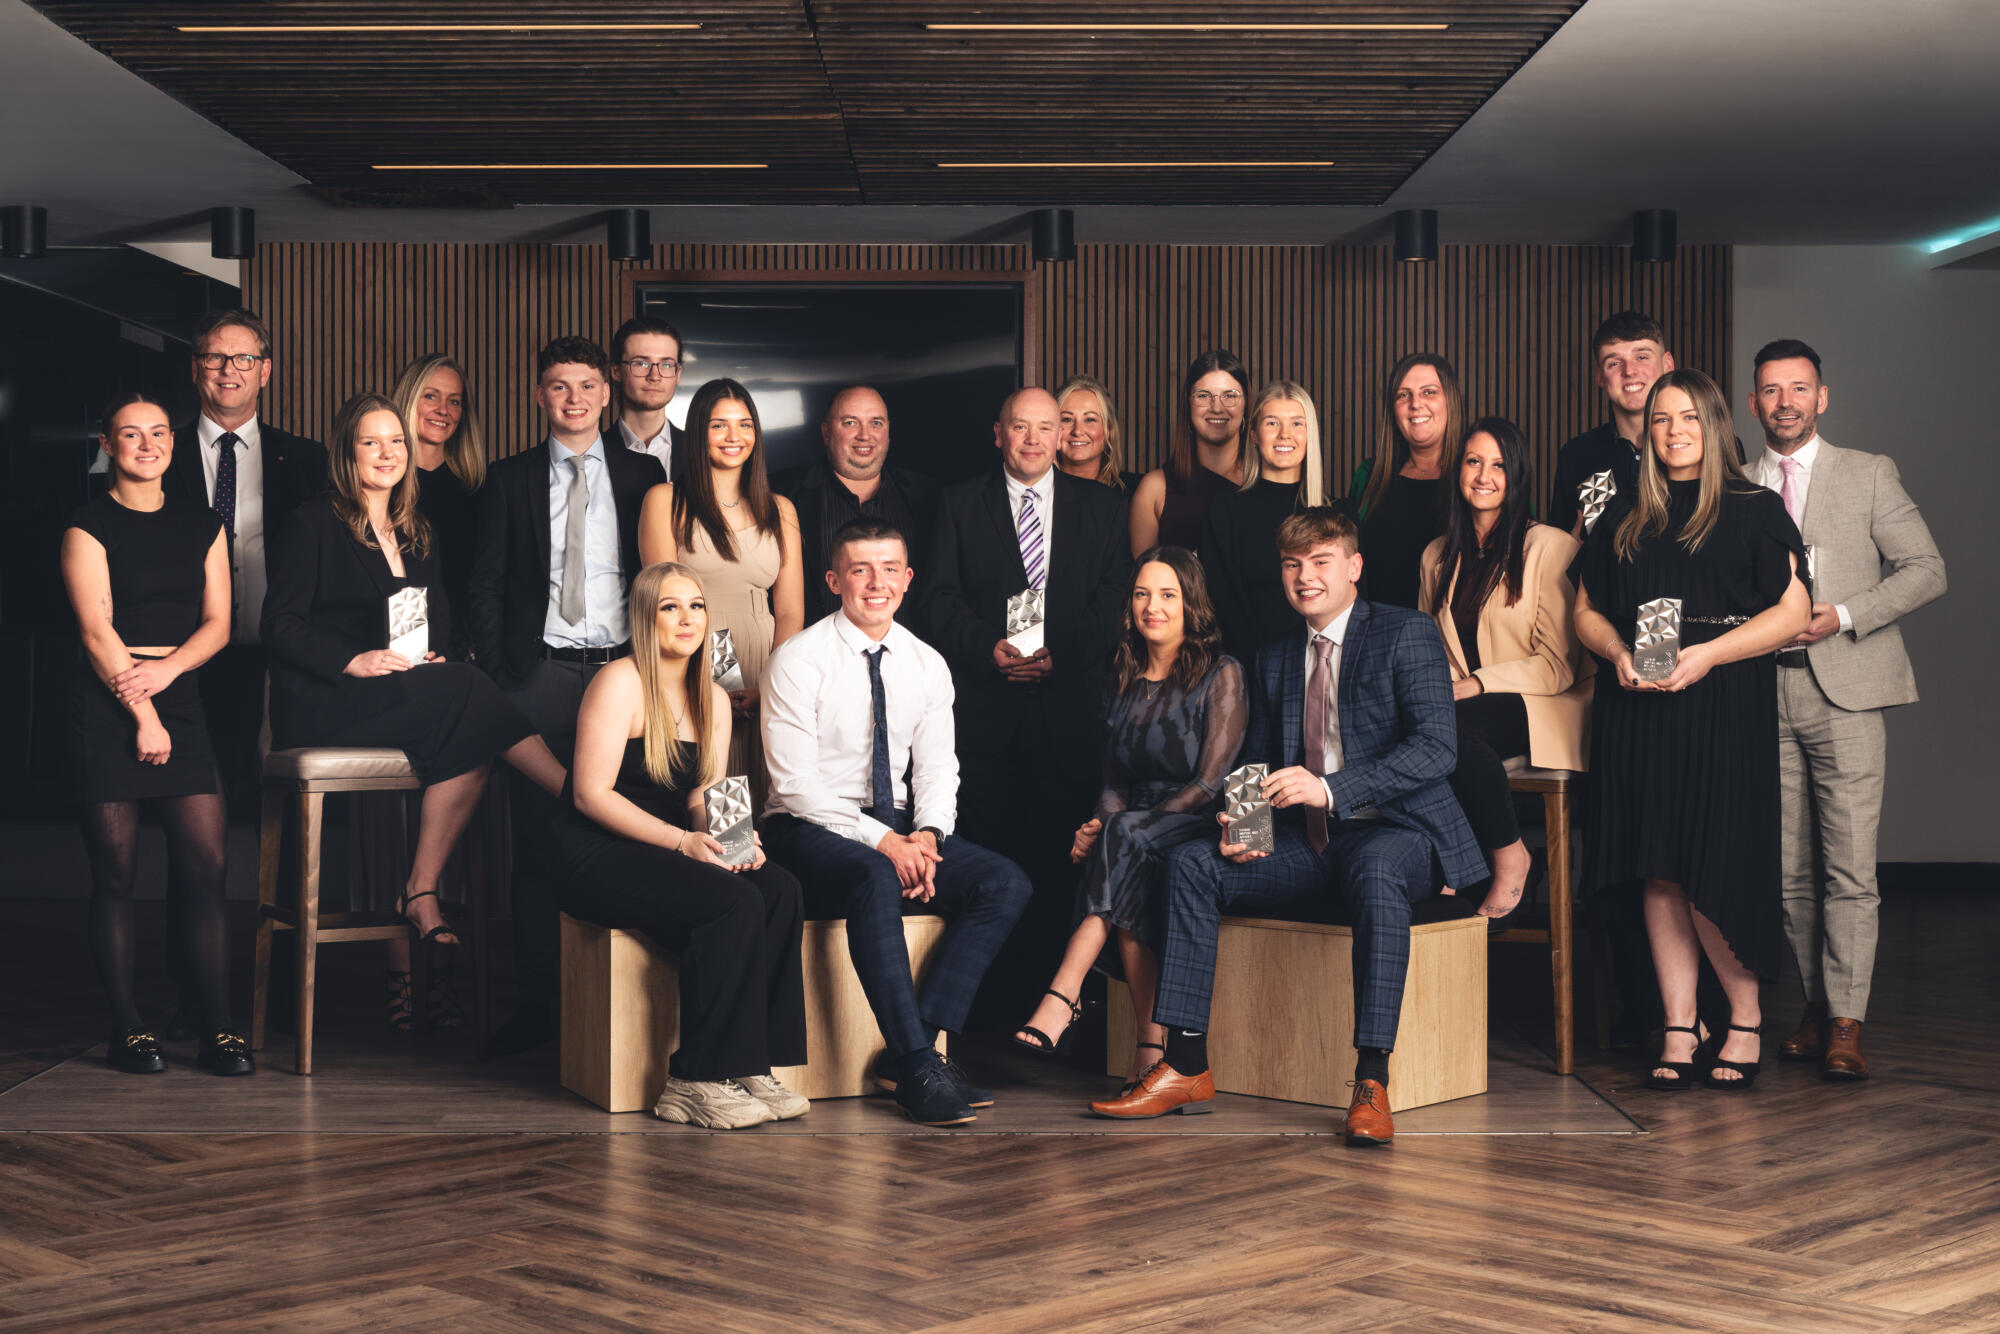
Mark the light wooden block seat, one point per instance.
(621, 1013)
(1281, 1024)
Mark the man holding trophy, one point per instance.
(1351, 715)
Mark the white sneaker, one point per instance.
(767, 1090)
(712, 1104)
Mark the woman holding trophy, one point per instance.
(1685, 590)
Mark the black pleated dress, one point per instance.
(1685, 786)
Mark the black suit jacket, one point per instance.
(614, 436)
(327, 602)
(807, 488)
(509, 592)
(294, 472)
(976, 566)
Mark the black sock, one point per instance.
(1372, 1063)
(910, 1062)
(1187, 1052)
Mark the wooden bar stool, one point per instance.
(306, 776)
(1553, 787)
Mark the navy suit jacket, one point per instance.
(1398, 728)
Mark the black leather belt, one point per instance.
(1792, 658)
(593, 656)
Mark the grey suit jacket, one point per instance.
(1872, 552)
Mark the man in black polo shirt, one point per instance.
(855, 481)
(1627, 353)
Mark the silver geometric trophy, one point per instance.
(1594, 494)
(723, 667)
(410, 624)
(1807, 572)
(1249, 813)
(726, 806)
(1658, 646)
(1025, 612)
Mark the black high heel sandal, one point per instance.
(1126, 1092)
(1684, 1073)
(446, 1011)
(400, 1009)
(1042, 1042)
(432, 936)
(1747, 1071)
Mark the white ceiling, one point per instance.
(1760, 121)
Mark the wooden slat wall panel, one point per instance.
(1513, 319)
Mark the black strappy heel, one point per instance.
(1684, 1075)
(1747, 1071)
(430, 937)
(1042, 1042)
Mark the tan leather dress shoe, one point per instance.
(1162, 1089)
(1368, 1115)
(1843, 1059)
(1810, 1040)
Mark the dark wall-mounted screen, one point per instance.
(943, 356)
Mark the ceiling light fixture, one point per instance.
(628, 233)
(1055, 235)
(1216, 166)
(569, 166)
(1654, 237)
(232, 233)
(24, 231)
(1417, 235)
(1187, 27)
(261, 29)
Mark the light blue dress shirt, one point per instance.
(604, 614)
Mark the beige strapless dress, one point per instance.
(739, 601)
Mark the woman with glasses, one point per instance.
(1204, 461)
(1399, 493)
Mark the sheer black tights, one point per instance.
(194, 828)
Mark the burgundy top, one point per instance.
(1186, 505)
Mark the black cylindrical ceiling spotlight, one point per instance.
(1653, 236)
(1055, 234)
(232, 233)
(24, 231)
(1417, 235)
(628, 233)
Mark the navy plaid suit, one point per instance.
(1399, 741)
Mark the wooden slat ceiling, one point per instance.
(847, 101)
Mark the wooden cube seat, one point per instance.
(1282, 1021)
(621, 1013)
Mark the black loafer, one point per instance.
(930, 1097)
(226, 1053)
(135, 1052)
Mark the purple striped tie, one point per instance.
(1033, 558)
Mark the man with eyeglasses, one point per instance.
(646, 372)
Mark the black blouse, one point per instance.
(1393, 537)
(158, 562)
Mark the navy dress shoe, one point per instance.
(887, 1078)
(930, 1097)
(226, 1053)
(135, 1052)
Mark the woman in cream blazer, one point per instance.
(1497, 583)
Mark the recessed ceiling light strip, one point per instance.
(1232, 165)
(530, 26)
(1187, 27)
(569, 166)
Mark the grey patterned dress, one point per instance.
(1168, 752)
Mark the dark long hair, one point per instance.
(694, 498)
(1392, 451)
(1201, 633)
(1511, 530)
(1181, 457)
(413, 530)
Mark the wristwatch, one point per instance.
(937, 835)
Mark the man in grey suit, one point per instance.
(1870, 562)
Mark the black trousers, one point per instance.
(743, 1000)
(550, 696)
(1491, 729)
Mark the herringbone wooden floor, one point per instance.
(1798, 1206)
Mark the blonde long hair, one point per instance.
(1111, 462)
(666, 752)
(413, 530)
(1719, 469)
(1312, 482)
(465, 452)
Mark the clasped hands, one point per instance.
(145, 678)
(1825, 621)
(1296, 786)
(1018, 666)
(382, 661)
(1690, 665)
(915, 857)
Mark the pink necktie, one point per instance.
(1788, 491)
(1319, 700)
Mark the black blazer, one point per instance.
(807, 487)
(976, 566)
(509, 593)
(294, 472)
(615, 437)
(327, 601)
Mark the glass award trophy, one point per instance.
(726, 806)
(1806, 572)
(1594, 494)
(1025, 613)
(723, 667)
(410, 623)
(1657, 648)
(1249, 814)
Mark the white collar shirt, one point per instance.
(660, 446)
(605, 618)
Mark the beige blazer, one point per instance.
(1530, 649)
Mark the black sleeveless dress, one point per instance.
(1185, 506)
(158, 565)
(1685, 786)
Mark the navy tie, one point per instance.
(224, 503)
(881, 782)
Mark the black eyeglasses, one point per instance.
(215, 361)
(647, 370)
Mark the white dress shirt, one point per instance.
(1771, 472)
(819, 729)
(1045, 508)
(660, 446)
(604, 614)
(248, 577)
